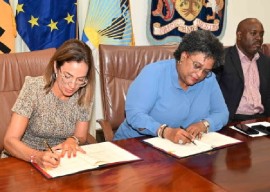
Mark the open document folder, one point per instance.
(97, 155)
(208, 142)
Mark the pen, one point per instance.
(188, 137)
(49, 147)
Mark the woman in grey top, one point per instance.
(54, 108)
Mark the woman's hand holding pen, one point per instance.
(178, 135)
(47, 159)
(51, 159)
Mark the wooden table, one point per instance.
(242, 167)
(157, 172)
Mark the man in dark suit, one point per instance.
(245, 77)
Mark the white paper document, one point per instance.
(208, 142)
(98, 154)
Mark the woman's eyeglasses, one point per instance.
(67, 79)
(198, 67)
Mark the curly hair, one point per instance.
(201, 41)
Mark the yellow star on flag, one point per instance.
(52, 25)
(69, 18)
(19, 8)
(33, 21)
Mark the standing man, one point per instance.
(245, 77)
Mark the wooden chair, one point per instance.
(119, 66)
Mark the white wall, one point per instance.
(236, 10)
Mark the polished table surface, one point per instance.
(241, 167)
(156, 172)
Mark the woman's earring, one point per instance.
(54, 75)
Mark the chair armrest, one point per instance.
(90, 139)
(107, 129)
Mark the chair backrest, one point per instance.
(119, 66)
(266, 49)
(13, 69)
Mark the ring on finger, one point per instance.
(180, 141)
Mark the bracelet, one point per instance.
(76, 139)
(32, 158)
(159, 130)
(162, 132)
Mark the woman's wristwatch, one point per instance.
(76, 139)
(206, 125)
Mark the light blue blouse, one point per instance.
(155, 98)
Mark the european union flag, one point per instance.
(46, 23)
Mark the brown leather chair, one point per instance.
(13, 69)
(266, 49)
(119, 66)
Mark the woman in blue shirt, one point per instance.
(178, 99)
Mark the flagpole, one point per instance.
(77, 26)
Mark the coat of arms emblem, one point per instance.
(172, 19)
(188, 10)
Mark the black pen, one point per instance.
(188, 137)
(49, 147)
(47, 144)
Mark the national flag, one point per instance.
(7, 28)
(46, 23)
(108, 22)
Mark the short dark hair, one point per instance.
(201, 41)
(245, 22)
